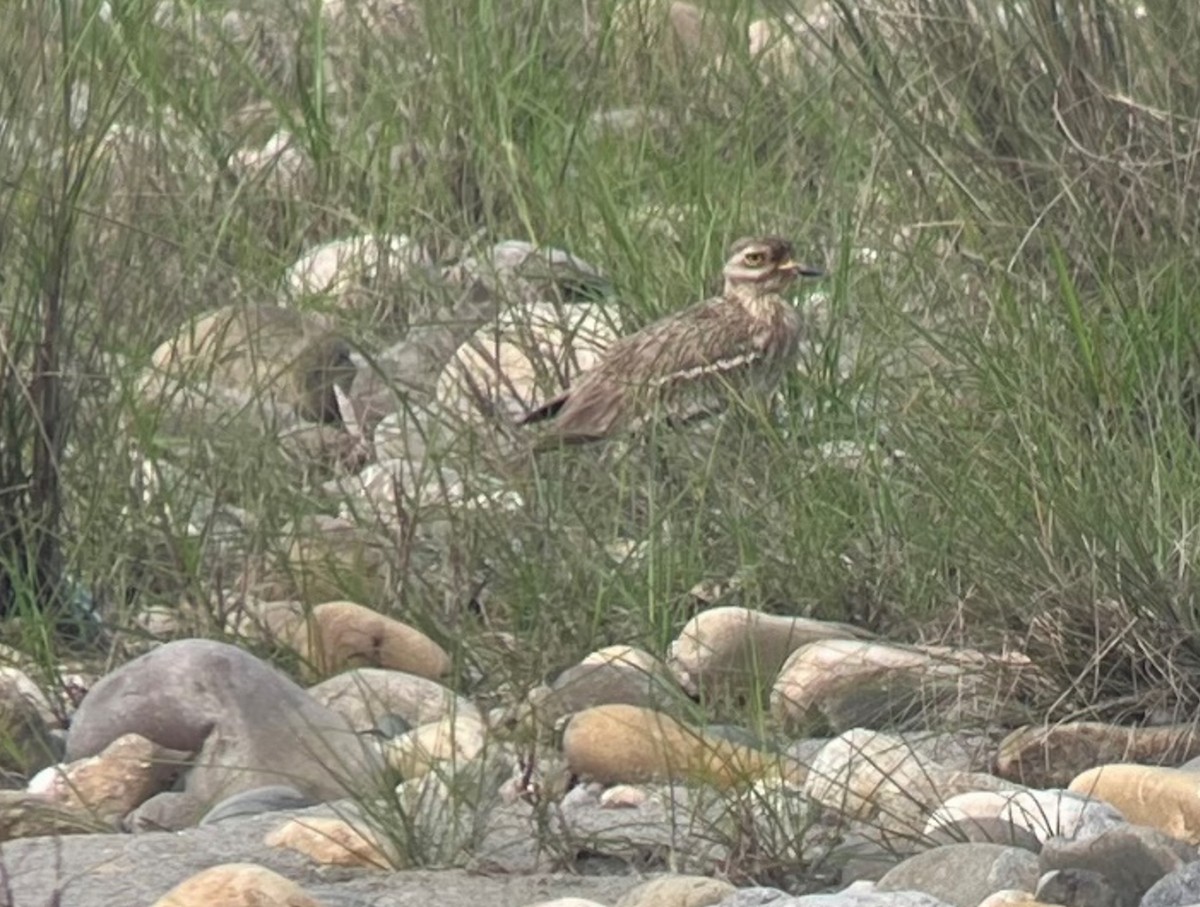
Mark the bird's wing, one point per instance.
(700, 349)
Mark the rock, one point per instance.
(363, 696)
(272, 798)
(1041, 814)
(330, 842)
(338, 635)
(738, 648)
(867, 684)
(237, 885)
(1176, 889)
(626, 744)
(102, 870)
(674, 34)
(522, 360)
(455, 739)
(568, 902)
(247, 723)
(279, 167)
(1052, 756)
(166, 811)
(1077, 888)
(677, 891)
(623, 796)
(26, 718)
(521, 273)
(391, 20)
(963, 874)
(616, 675)
(859, 894)
(1131, 858)
(883, 782)
(124, 775)
(759, 897)
(24, 815)
(367, 274)
(1010, 897)
(286, 363)
(782, 46)
(420, 505)
(331, 559)
(1163, 798)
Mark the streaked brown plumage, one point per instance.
(687, 365)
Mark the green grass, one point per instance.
(1021, 328)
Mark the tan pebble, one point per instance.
(1010, 897)
(454, 738)
(628, 744)
(742, 648)
(237, 885)
(623, 796)
(342, 634)
(124, 775)
(1164, 798)
(568, 902)
(677, 891)
(330, 842)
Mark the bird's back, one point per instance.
(681, 367)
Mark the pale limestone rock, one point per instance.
(853, 683)
(1044, 813)
(337, 267)
(237, 885)
(742, 649)
(1010, 897)
(264, 362)
(883, 782)
(523, 359)
(331, 842)
(623, 796)
(366, 695)
(279, 166)
(455, 740)
(678, 891)
(612, 675)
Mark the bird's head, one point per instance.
(763, 264)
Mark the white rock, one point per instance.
(337, 266)
(1044, 813)
(523, 359)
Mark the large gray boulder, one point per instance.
(247, 724)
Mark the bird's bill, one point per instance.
(799, 270)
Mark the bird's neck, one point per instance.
(753, 298)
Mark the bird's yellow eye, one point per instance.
(754, 259)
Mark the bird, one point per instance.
(688, 365)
